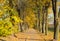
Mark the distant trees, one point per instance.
(38, 14)
(46, 18)
(45, 7)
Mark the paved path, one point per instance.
(29, 35)
(33, 35)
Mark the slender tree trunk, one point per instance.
(59, 13)
(37, 16)
(56, 28)
(46, 22)
(43, 21)
(20, 24)
(39, 20)
(19, 13)
(43, 25)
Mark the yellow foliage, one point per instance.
(30, 17)
(17, 19)
(8, 19)
(1, 12)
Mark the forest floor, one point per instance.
(29, 35)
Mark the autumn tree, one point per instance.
(56, 28)
(43, 20)
(45, 6)
(9, 19)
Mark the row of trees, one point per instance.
(33, 14)
(36, 12)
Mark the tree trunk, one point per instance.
(19, 13)
(46, 22)
(39, 20)
(20, 24)
(56, 28)
(43, 21)
(37, 16)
